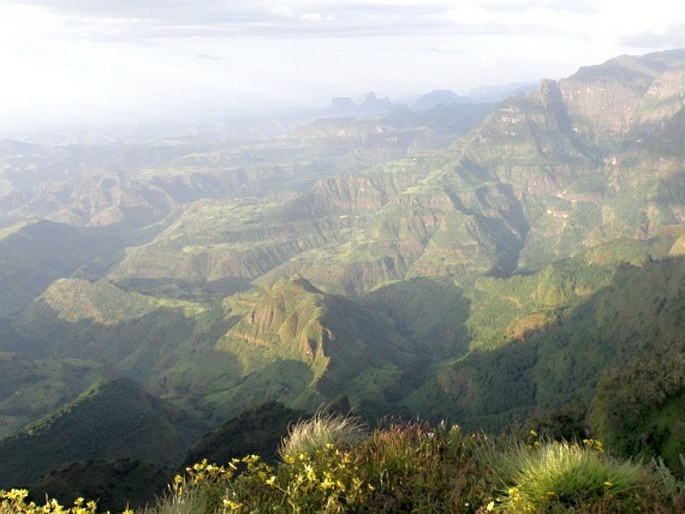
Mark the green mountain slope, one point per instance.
(123, 331)
(305, 347)
(31, 388)
(560, 358)
(487, 282)
(112, 419)
(35, 253)
(638, 408)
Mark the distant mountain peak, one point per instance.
(344, 106)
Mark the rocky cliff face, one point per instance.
(608, 102)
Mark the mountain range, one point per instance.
(494, 265)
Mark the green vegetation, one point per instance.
(32, 388)
(414, 467)
(418, 468)
(112, 419)
(529, 275)
(637, 408)
(315, 434)
(564, 477)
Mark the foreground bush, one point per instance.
(404, 468)
(416, 468)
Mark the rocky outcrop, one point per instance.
(339, 340)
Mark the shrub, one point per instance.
(558, 476)
(417, 468)
(201, 490)
(329, 481)
(314, 434)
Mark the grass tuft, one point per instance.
(323, 429)
(193, 502)
(566, 475)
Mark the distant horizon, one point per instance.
(90, 131)
(76, 62)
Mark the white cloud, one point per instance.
(132, 55)
(672, 36)
(312, 17)
(282, 10)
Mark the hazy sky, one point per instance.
(133, 59)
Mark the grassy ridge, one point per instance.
(112, 419)
(32, 388)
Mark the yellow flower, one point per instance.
(251, 459)
(357, 482)
(231, 505)
(16, 494)
(311, 474)
(327, 482)
(198, 466)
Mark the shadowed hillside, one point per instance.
(561, 360)
(110, 420)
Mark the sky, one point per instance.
(92, 61)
